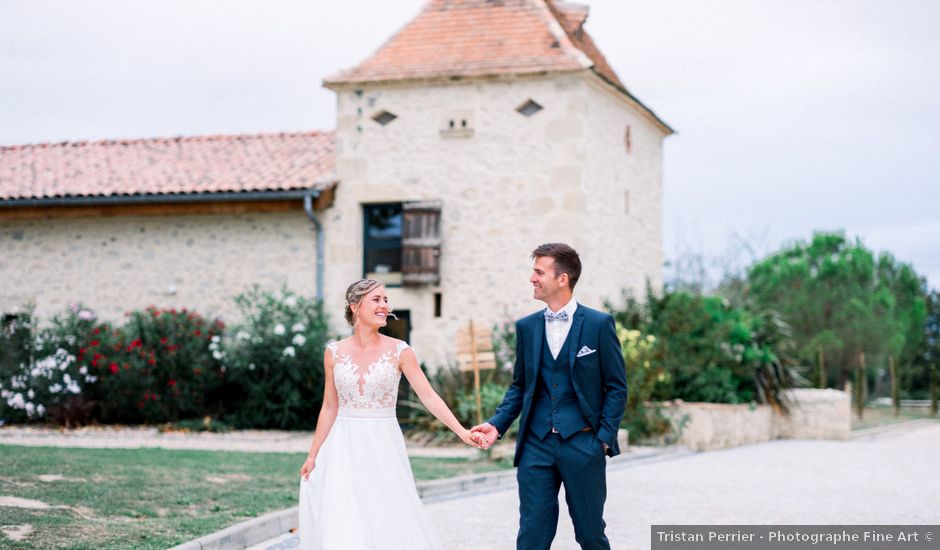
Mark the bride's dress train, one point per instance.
(361, 494)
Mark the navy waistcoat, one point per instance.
(555, 404)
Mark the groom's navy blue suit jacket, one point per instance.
(599, 377)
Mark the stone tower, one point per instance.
(480, 130)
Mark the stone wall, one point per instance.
(113, 264)
(508, 183)
(820, 414)
(815, 414)
(710, 426)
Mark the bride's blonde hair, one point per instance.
(354, 295)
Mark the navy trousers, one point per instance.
(577, 462)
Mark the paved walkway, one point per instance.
(891, 477)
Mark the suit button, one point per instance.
(554, 398)
(554, 385)
(555, 411)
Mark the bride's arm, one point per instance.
(327, 414)
(430, 399)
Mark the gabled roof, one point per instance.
(470, 38)
(169, 166)
(474, 38)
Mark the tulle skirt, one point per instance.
(361, 494)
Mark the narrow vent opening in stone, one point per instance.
(384, 117)
(529, 108)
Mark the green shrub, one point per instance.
(707, 350)
(42, 376)
(275, 361)
(16, 359)
(16, 341)
(455, 387)
(642, 418)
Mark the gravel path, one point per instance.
(889, 477)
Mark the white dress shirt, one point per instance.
(557, 331)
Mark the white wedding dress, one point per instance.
(361, 494)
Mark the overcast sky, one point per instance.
(793, 115)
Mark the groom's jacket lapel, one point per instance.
(535, 348)
(574, 335)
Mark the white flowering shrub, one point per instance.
(275, 361)
(40, 376)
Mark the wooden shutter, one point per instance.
(421, 243)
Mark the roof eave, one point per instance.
(668, 130)
(347, 84)
(226, 196)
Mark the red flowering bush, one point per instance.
(161, 366)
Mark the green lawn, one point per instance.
(155, 498)
(880, 416)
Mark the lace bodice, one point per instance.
(367, 391)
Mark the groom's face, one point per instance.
(545, 283)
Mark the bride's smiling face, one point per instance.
(373, 309)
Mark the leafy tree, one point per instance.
(828, 292)
(926, 370)
(707, 350)
(910, 317)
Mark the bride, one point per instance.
(357, 490)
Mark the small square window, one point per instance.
(384, 117)
(529, 108)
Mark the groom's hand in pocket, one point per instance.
(488, 431)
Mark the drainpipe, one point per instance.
(308, 208)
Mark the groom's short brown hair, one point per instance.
(566, 260)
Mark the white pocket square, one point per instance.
(586, 351)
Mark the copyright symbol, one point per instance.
(928, 536)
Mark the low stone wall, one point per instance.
(814, 414)
(817, 414)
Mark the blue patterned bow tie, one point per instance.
(560, 316)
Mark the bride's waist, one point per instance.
(354, 412)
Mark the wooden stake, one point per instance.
(895, 398)
(822, 369)
(476, 374)
(933, 390)
(859, 380)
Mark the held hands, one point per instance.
(308, 467)
(472, 439)
(488, 432)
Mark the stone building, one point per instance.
(478, 131)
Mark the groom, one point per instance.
(569, 384)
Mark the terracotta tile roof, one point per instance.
(467, 38)
(200, 164)
(572, 18)
(474, 38)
